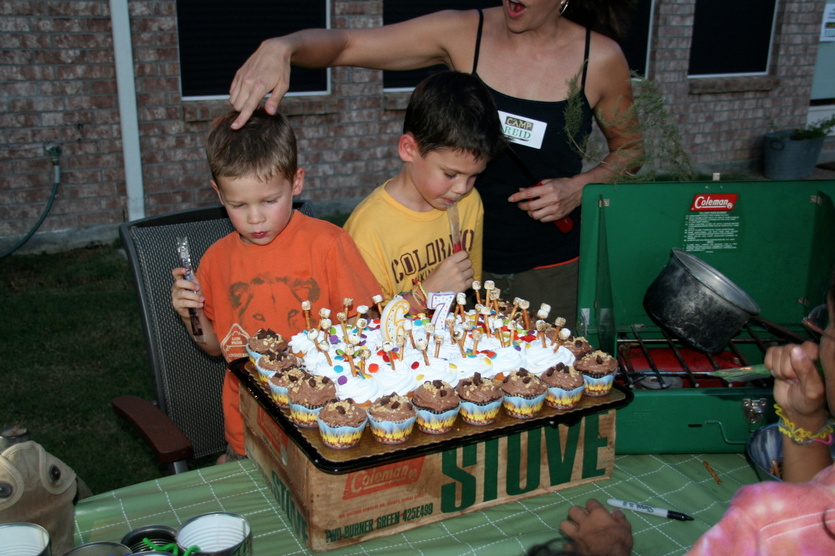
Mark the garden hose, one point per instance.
(55, 152)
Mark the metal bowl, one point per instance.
(764, 446)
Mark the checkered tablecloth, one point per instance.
(678, 482)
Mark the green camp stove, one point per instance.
(774, 239)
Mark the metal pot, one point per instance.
(697, 303)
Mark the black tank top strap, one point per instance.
(585, 60)
(478, 41)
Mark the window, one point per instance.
(732, 38)
(395, 11)
(635, 44)
(217, 36)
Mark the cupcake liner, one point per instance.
(391, 432)
(520, 407)
(341, 437)
(303, 416)
(264, 375)
(254, 356)
(480, 414)
(560, 398)
(432, 422)
(597, 387)
(279, 395)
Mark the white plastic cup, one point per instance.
(24, 539)
(216, 534)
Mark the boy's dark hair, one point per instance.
(454, 110)
(263, 146)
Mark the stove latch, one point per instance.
(754, 410)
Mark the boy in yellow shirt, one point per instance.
(450, 132)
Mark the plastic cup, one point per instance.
(24, 539)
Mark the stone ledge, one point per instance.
(716, 85)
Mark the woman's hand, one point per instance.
(552, 200)
(266, 71)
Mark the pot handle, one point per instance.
(777, 144)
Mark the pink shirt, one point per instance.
(779, 519)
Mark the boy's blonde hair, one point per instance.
(264, 146)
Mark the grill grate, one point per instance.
(652, 359)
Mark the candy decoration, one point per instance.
(524, 304)
(439, 339)
(422, 344)
(563, 335)
(306, 309)
(477, 290)
(387, 347)
(378, 300)
(559, 323)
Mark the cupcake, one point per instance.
(437, 406)
(341, 423)
(598, 370)
(280, 384)
(578, 345)
(272, 362)
(480, 400)
(565, 386)
(391, 419)
(263, 341)
(307, 396)
(524, 394)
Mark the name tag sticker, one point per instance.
(523, 130)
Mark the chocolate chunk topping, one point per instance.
(385, 400)
(550, 372)
(395, 405)
(340, 410)
(409, 406)
(438, 384)
(292, 378)
(578, 343)
(326, 380)
(560, 366)
(443, 393)
(526, 380)
(523, 372)
(477, 380)
(599, 360)
(312, 382)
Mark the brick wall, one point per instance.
(58, 86)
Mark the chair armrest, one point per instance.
(160, 433)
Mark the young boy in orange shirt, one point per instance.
(258, 276)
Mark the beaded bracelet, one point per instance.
(801, 436)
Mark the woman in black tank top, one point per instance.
(525, 52)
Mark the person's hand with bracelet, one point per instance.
(800, 392)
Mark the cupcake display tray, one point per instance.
(370, 453)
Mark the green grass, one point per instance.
(72, 341)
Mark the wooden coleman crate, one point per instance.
(330, 510)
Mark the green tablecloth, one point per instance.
(678, 482)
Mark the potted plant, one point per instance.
(793, 153)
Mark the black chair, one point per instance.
(186, 419)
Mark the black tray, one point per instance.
(369, 453)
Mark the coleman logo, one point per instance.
(382, 478)
(713, 202)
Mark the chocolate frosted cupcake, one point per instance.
(565, 386)
(437, 406)
(263, 341)
(272, 362)
(578, 345)
(598, 370)
(280, 384)
(480, 400)
(391, 419)
(341, 423)
(524, 394)
(307, 397)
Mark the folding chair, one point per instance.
(186, 419)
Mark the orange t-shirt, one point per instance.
(248, 287)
